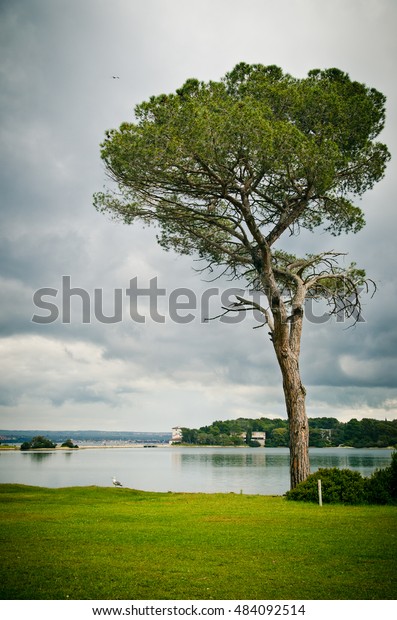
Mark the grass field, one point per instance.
(105, 543)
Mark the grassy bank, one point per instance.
(105, 543)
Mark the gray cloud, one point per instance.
(57, 99)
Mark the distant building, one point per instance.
(259, 436)
(176, 434)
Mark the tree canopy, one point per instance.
(295, 151)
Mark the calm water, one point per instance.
(208, 470)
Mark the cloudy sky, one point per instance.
(58, 96)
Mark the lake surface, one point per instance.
(263, 471)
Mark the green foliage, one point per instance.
(69, 444)
(339, 486)
(345, 486)
(259, 148)
(252, 443)
(278, 437)
(368, 433)
(38, 443)
(324, 432)
(381, 487)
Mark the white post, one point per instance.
(320, 495)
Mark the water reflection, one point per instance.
(234, 458)
(222, 460)
(37, 457)
(234, 470)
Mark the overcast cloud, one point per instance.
(57, 99)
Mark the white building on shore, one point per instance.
(176, 434)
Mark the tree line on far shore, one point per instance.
(323, 432)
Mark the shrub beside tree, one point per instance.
(344, 486)
(339, 486)
(381, 487)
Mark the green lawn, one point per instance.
(105, 543)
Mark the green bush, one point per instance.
(344, 486)
(341, 486)
(381, 487)
(69, 444)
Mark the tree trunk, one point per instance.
(286, 334)
(295, 395)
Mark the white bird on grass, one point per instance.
(116, 482)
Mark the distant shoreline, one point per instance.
(16, 448)
(84, 447)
